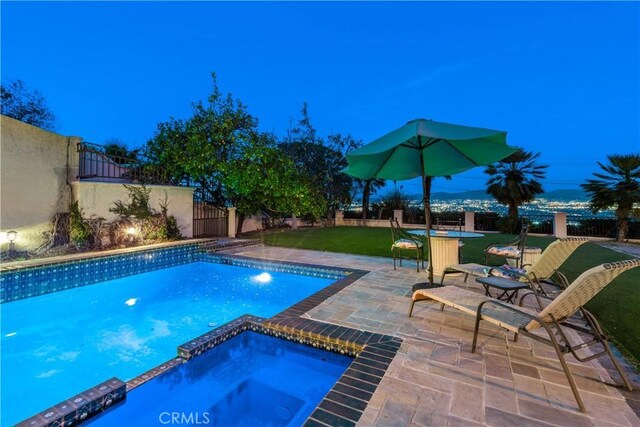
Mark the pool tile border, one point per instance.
(280, 266)
(26, 282)
(80, 407)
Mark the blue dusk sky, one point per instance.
(560, 78)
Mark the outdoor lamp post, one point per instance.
(12, 235)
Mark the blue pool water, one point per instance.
(251, 380)
(59, 344)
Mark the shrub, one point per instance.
(150, 225)
(79, 231)
(84, 233)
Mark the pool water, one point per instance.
(250, 380)
(59, 344)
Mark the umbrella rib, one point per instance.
(420, 146)
(383, 163)
(461, 153)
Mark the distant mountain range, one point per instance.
(554, 195)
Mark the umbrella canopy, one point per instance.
(447, 149)
(427, 148)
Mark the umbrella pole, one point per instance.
(426, 193)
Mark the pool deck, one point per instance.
(435, 380)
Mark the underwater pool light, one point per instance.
(262, 278)
(131, 302)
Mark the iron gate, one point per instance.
(209, 220)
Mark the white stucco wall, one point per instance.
(95, 198)
(33, 172)
(38, 178)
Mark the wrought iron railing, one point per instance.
(538, 224)
(97, 164)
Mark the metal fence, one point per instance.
(209, 220)
(96, 163)
(539, 224)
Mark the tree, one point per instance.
(220, 150)
(321, 162)
(26, 105)
(199, 150)
(264, 179)
(394, 199)
(618, 187)
(513, 182)
(369, 188)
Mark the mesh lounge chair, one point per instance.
(540, 272)
(553, 318)
(403, 241)
(511, 250)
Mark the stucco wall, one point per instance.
(33, 176)
(95, 198)
(38, 178)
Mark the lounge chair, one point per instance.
(540, 272)
(511, 250)
(403, 241)
(553, 318)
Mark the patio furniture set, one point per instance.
(543, 282)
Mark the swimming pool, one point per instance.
(249, 380)
(57, 344)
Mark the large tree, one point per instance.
(514, 181)
(220, 150)
(369, 188)
(263, 179)
(321, 161)
(198, 150)
(26, 105)
(618, 187)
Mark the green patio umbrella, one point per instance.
(426, 149)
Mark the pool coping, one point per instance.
(344, 403)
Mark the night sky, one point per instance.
(560, 78)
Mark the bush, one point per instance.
(84, 233)
(149, 224)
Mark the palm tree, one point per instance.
(370, 187)
(514, 181)
(619, 187)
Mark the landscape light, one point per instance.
(12, 236)
(131, 230)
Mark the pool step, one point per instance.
(226, 244)
(208, 244)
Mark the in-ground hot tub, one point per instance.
(249, 380)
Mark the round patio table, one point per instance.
(445, 246)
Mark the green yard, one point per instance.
(617, 306)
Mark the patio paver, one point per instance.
(434, 379)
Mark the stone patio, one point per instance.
(435, 380)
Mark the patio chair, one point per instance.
(513, 250)
(553, 318)
(542, 271)
(403, 241)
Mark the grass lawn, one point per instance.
(617, 306)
